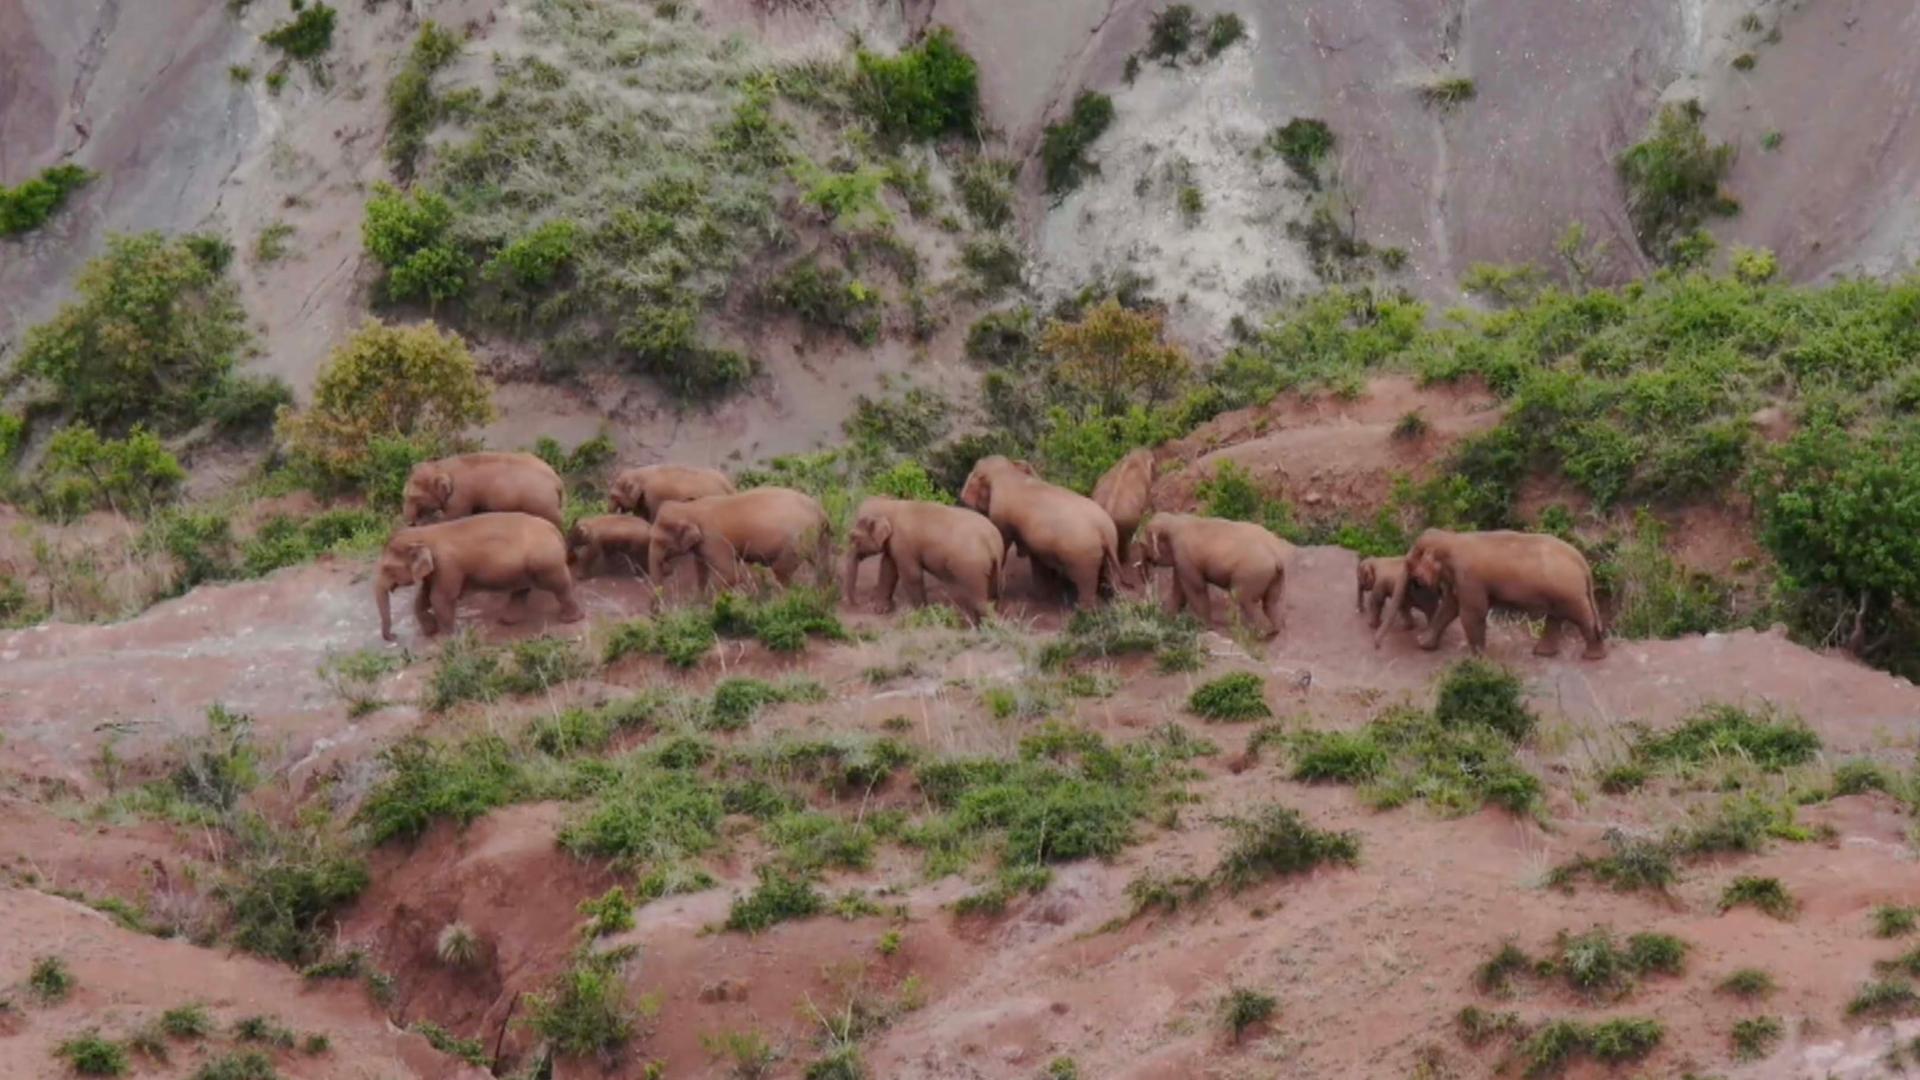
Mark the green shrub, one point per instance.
(1748, 983)
(584, 1010)
(929, 90)
(1239, 696)
(1495, 976)
(1063, 146)
(1277, 841)
(1556, 1044)
(412, 107)
(50, 980)
(1756, 1036)
(153, 333)
(783, 623)
(238, 1065)
(1474, 692)
(27, 207)
(533, 260)
(90, 1055)
(649, 814)
(1767, 894)
(1673, 179)
(283, 889)
(824, 296)
(1123, 628)
(1171, 33)
(1625, 1038)
(610, 913)
(1241, 1009)
(1892, 920)
(471, 1051)
(1223, 30)
(82, 471)
(1718, 732)
(1344, 757)
(1403, 755)
(1885, 997)
(986, 190)
(187, 1022)
(1631, 863)
(1303, 144)
(427, 781)
(308, 35)
(410, 234)
(780, 896)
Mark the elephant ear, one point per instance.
(1026, 467)
(420, 561)
(442, 484)
(881, 529)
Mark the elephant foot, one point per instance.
(1430, 645)
(572, 614)
(1547, 648)
(1594, 652)
(510, 618)
(883, 609)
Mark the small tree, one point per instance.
(154, 330)
(130, 476)
(415, 384)
(1117, 354)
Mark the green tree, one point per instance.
(154, 332)
(416, 384)
(82, 471)
(1118, 355)
(411, 235)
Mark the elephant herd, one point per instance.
(493, 521)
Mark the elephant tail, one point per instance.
(1110, 580)
(1593, 605)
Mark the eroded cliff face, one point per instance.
(143, 94)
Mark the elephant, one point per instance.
(1060, 531)
(1125, 492)
(1245, 559)
(644, 490)
(500, 552)
(1532, 572)
(957, 547)
(594, 538)
(770, 526)
(454, 487)
(1379, 583)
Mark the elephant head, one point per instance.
(429, 489)
(577, 542)
(1364, 576)
(626, 494)
(1152, 546)
(977, 492)
(868, 537)
(1429, 561)
(671, 539)
(406, 561)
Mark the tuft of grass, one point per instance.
(1884, 997)
(1755, 1037)
(1241, 1009)
(263, 1029)
(1907, 963)
(1556, 1044)
(1411, 427)
(1894, 920)
(1748, 983)
(471, 1051)
(1475, 692)
(1126, 628)
(1008, 883)
(1721, 732)
(1495, 975)
(1239, 696)
(1625, 1038)
(1661, 954)
(585, 1010)
(1063, 146)
(50, 980)
(89, 1054)
(457, 945)
(650, 810)
(427, 781)
(1303, 143)
(1765, 893)
(1860, 776)
(609, 913)
(1223, 31)
(308, 36)
(1404, 754)
(1477, 1026)
(238, 1065)
(1277, 841)
(187, 1022)
(736, 700)
(1448, 93)
(780, 896)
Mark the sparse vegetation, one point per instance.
(89, 1054)
(1303, 143)
(780, 896)
(457, 945)
(1885, 997)
(1556, 1044)
(283, 887)
(1447, 93)
(50, 980)
(1748, 983)
(1756, 1036)
(308, 35)
(191, 1021)
(585, 1010)
(1404, 754)
(1063, 147)
(413, 108)
(1673, 180)
(28, 206)
(1477, 693)
(239, 1065)
(1242, 1010)
(1235, 697)
(1277, 841)
(1895, 920)
(1767, 894)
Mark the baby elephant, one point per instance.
(1477, 571)
(593, 539)
(771, 526)
(1245, 559)
(510, 553)
(959, 548)
(1380, 581)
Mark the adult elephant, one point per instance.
(770, 526)
(645, 489)
(917, 540)
(1531, 572)
(1125, 492)
(497, 483)
(1246, 560)
(512, 553)
(1064, 532)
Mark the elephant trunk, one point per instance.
(850, 574)
(383, 599)
(656, 564)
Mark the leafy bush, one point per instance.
(412, 107)
(781, 896)
(652, 814)
(1277, 841)
(1303, 143)
(1171, 33)
(533, 260)
(82, 471)
(1242, 1009)
(410, 234)
(1063, 146)
(410, 390)
(584, 1010)
(88, 1054)
(1475, 692)
(1767, 894)
(151, 337)
(283, 889)
(824, 296)
(284, 541)
(929, 90)
(50, 979)
(308, 35)
(1673, 179)
(427, 781)
(1118, 355)
(1755, 1036)
(27, 207)
(1239, 696)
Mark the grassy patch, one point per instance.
(1126, 628)
(682, 637)
(1241, 1010)
(1595, 964)
(585, 1010)
(1478, 1026)
(1748, 983)
(28, 206)
(50, 980)
(1558, 1043)
(1756, 1036)
(1725, 732)
(89, 1054)
(1404, 755)
(1894, 920)
(1447, 93)
(1477, 693)
(1277, 841)
(1767, 894)
(782, 623)
(1063, 146)
(471, 1051)
(1884, 997)
(191, 1021)
(780, 896)
(1235, 697)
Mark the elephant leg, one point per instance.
(423, 610)
(889, 579)
(1549, 643)
(1251, 600)
(1443, 617)
(914, 579)
(974, 597)
(1086, 584)
(784, 567)
(1194, 588)
(1376, 599)
(516, 608)
(560, 583)
(1589, 626)
(446, 600)
(1276, 604)
(1473, 619)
